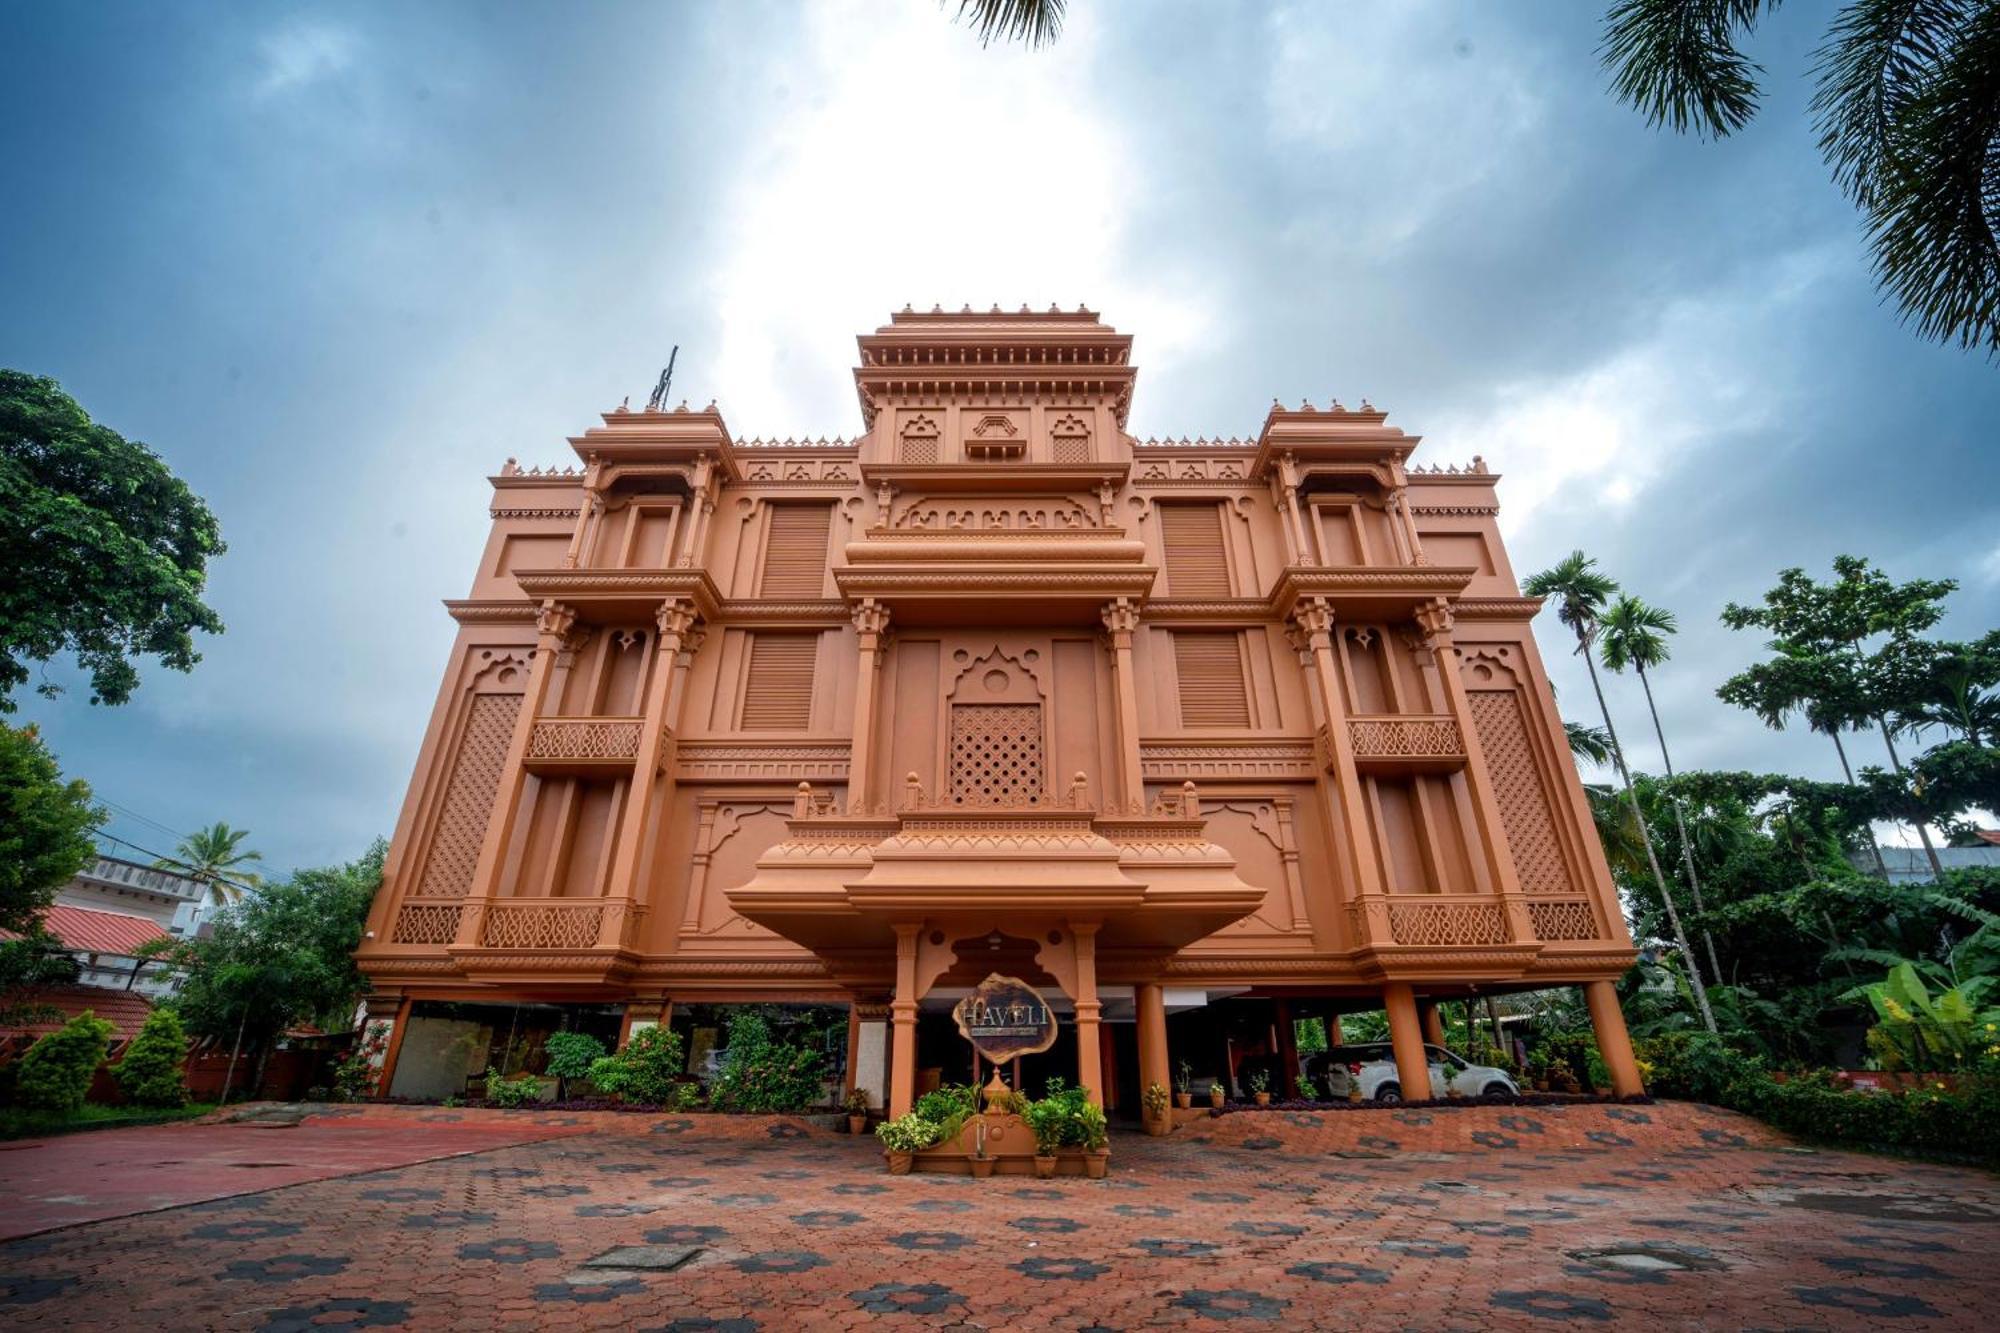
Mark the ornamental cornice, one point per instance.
(1455, 511)
(805, 969)
(1207, 483)
(1235, 608)
(1260, 968)
(1496, 608)
(483, 611)
(1113, 582)
(570, 512)
(833, 611)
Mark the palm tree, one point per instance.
(212, 856)
(1580, 592)
(1635, 635)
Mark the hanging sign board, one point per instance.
(1004, 1018)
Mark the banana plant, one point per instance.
(1928, 1033)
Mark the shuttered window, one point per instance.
(1197, 565)
(795, 550)
(1210, 667)
(778, 694)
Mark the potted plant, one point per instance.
(1354, 1081)
(1183, 1097)
(1260, 1087)
(1047, 1120)
(857, 1111)
(1096, 1134)
(904, 1137)
(1155, 1102)
(1216, 1093)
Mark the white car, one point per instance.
(1376, 1065)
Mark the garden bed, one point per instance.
(17, 1123)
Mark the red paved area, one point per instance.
(88, 1177)
(1484, 1217)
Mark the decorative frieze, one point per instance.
(739, 761)
(1164, 761)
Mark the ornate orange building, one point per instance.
(1245, 727)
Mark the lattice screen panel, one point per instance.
(425, 923)
(468, 797)
(1563, 920)
(1518, 787)
(996, 755)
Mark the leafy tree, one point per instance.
(1580, 592)
(760, 1072)
(1908, 112)
(645, 1070)
(106, 551)
(214, 856)
(1635, 634)
(279, 957)
(571, 1055)
(45, 827)
(154, 1070)
(1846, 651)
(56, 1072)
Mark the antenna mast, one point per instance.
(658, 402)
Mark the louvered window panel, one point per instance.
(778, 694)
(1197, 565)
(1210, 667)
(795, 551)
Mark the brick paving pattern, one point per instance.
(1484, 1217)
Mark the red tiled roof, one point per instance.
(125, 1010)
(1990, 835)
(87, 930)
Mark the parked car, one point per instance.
(1335, 1071)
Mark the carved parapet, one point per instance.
(1430, 920)
(558, 923)
(426, 923)
(582, 746)
(1406, 743)
(1565, 918)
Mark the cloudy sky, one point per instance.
(335, 262)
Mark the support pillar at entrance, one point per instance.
(1407, 1038)
(1154, 1064)
(1433, 1021)
(1089, 1058)
(903, 1016)
(1607, 1020)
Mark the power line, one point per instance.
(146, 851)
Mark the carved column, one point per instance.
(701, 504)
(1431, 1019)
(871, 623)
(1121, 618)
(1614, 1044)
(1406, 1038)
(1315, 622)
(1434, 620)
(1295, 527)
(1089, 1055)
(553, 627)
(589, 514)
(640, 825)
(903, 1019)
(1155, 1064)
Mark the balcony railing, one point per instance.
(426, 923)
(557, 923)
(1563, 919)
(1406, 743)
(1437, 920)
(584, 745)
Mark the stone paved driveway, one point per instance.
(1462, 1218)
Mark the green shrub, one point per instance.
(949, 1107)
(644, 1071)
(762, 1074)
(1693, 1066)
(909, 1133)
(154, 1070)
(56, 1072)
(571, 1055)
(686, 1096)
(512, 1093)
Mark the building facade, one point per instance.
(1244, 729)
(178, 905)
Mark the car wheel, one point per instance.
(1389, 1094)
(1497, 1092)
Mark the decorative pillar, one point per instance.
(638, 829)
(1614, 1045)
(1121, 618)
(1089, 1056)
(1334, 1036)
(1434, 619)
(903, 1015)
(1315, 621)
(1303, 548)
(1432, 1015)
(1155, 1066)
(589, 515)
(701, 503)
(553, 626)
(871, 622)
(1413, 1068)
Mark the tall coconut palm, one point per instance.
(1635, 634)
(214, 856)
(1580, 592)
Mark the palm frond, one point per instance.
(1676, 62)
(1033, 23)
